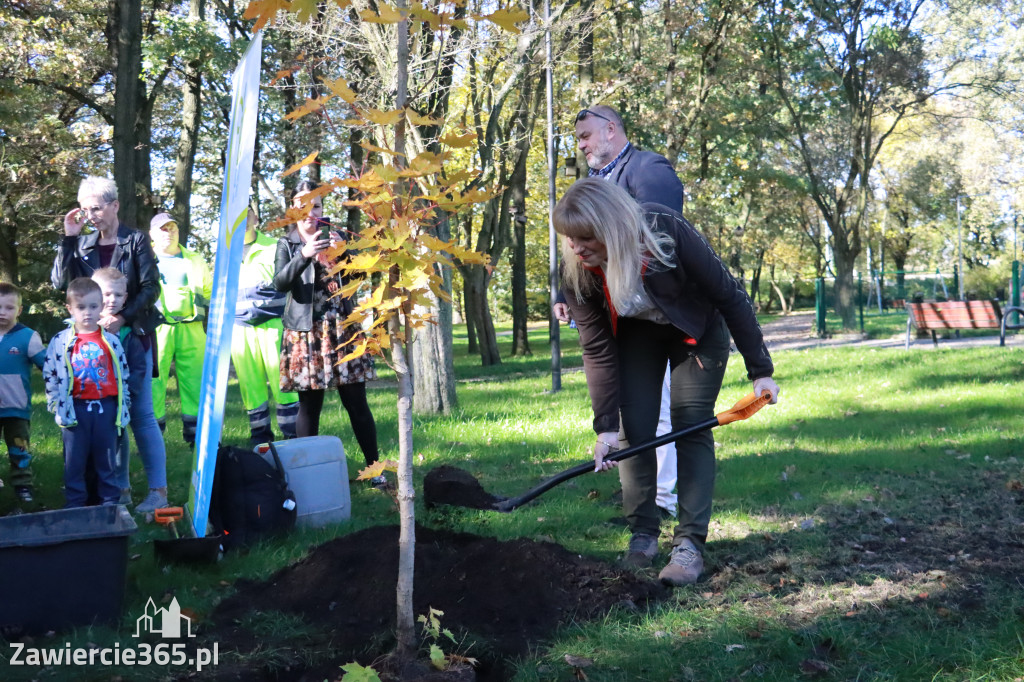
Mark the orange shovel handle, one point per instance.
(744, 408)
(168, 515)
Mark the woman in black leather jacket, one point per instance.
(314, 335)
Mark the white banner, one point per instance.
(245, 93)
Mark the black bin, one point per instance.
(63, 568)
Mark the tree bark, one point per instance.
(128, 103)
(433, 358)
(476, 280)
(190, 121)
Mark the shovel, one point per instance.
(187, 550)
(453, 486)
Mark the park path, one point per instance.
(796, 332)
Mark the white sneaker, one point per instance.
(154, 500)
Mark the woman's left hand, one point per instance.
(767, 384)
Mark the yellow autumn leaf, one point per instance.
(507, 19)
(468, 255)
(303, 10)
(341, 89)
(433, 243)
(380, 150)
(385, 14)
(343, 4)
(422, 120)
(312, 104)
(426, 163)
(382, 118)
(458, 141)
(460, 177)
(301, 164)
(264, 12)
(363, 261)
(393, 303)
(284, 73)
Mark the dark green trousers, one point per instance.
(697, 374)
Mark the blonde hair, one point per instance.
(109, 276)
(595, 208)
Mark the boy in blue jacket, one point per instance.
(20, 348)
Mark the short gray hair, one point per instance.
(94, 186)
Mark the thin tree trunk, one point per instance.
(405, 619)
(127, 17)
(190, 120)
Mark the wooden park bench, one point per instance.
(935, 315)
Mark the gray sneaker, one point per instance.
(684, 565)
(642, 550)
(126, 497)
(154, 500)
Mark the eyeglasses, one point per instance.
(93, 210)
(587, 112)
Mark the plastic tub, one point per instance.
(63, 568)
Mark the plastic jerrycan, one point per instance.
(318, 476)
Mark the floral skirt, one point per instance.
(309, 360)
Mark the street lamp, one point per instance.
(959, 249)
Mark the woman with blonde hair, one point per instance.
(647, 290)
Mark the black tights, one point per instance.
(353, 399)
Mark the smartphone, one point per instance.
(325, 228)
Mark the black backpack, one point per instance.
(250, 497)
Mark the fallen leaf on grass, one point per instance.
(729, 648)
(813, 667)
(578, 661)
(1014, 485)
(850, 413)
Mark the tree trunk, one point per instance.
(128, 102)
(476, 280)
(190, 120)
(405, 631)
(434, 378)
(523, 131)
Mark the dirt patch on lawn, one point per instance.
(501, 599)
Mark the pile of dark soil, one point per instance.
(504, 598)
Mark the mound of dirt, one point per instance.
(503, 597)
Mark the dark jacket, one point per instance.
(692, 295)
(649, 177)
(296, 275)
(78, 257)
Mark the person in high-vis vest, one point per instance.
(256, 340)
(185, 289)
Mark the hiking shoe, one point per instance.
(154, 500)
(24, 493)
(126, 497)
(379, 482)
(642, 550)
(684, 565)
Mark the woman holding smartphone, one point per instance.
(314, 334)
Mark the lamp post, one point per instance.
(959, 250)
(556, 348)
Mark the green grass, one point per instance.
(865, 528)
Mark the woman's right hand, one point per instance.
(606, 444)
(314, 246)
(74, 221)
